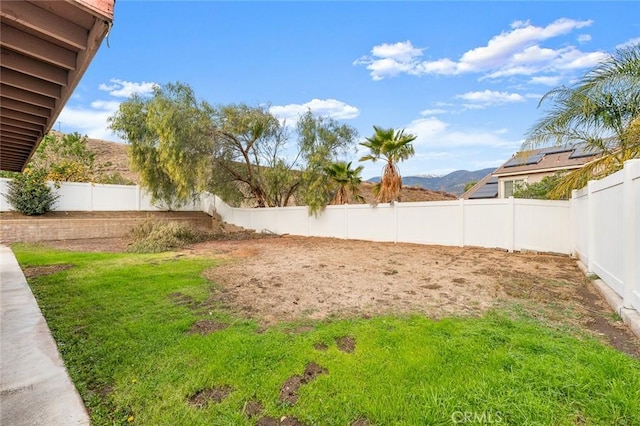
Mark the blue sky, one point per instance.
(465, 77)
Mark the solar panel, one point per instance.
(582, 150)
(525, 160)
(488, 190)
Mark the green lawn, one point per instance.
(125, 342)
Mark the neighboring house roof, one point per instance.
(547, 160)
(544, 160)
(487, 187)
(46, 46)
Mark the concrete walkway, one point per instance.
(35, 388)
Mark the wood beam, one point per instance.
(26, 65)
(21, 130)
(22, 124)
(11, 92)
(44, 22)
(17, 135)
(30, 45)
(16, 115)
(30, 84)
(26, 107)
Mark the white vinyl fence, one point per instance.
(510, 224)
(75, 196)
(606, 217)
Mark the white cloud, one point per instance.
(584, 38)
(90, 121)
(434, 133)
(546, 80)
(323, 107)
(389, 60)
(483, 99)
(514, 52)
(124, 89)
(435, 111)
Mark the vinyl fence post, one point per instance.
(591, 227)
(629, 231)
(511, 213)
(461, 223)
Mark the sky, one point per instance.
(465, 77)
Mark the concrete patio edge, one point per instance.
(35, 387)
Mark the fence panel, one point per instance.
(542, 226)
(332, 222)
(372, 223)
(608, 250)
(635, 191)
(430, 223)
(487, 223)
(580, 218)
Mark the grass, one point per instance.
(125, 343)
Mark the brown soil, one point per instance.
(320, 346)
(201, 398)
(204, 327)
(360, 422)
(346, 344)
(252, 408)
(285, 421)
(289, 390)
(36, 271)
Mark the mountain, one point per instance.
(453, 182)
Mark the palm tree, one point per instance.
(347, 180)
(602, 110)
(393, 147)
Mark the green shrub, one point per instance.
(155, 236)
(29, 194)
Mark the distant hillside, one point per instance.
(452, 183)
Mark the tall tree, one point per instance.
(602, 110)
(169, 135)
(346, 180)
(181, 146)
(393, 147)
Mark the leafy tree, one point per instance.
(321, 141)
(347, 181)
(601, 110)
(393, 147)
(469, 185)
(181, 146)
(541, 190)
(29, 193)
(170, 136)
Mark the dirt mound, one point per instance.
(216, 395)
(204, 327)
(289, 390)
(36, 271)
(346, 344)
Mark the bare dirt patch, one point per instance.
(252, 408)
(346, 344)
(294, 278)
(285, 421)
(204, 327)
(36, 271)
(216, 395)
(289, 390)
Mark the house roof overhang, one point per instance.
(45, 46)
